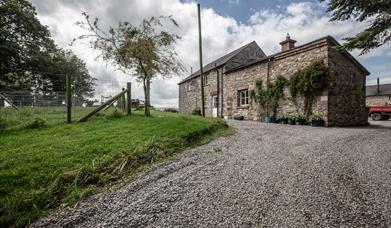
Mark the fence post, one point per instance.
(123, 102)
(69, 99)
(129, 96)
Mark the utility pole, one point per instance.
(201, 70)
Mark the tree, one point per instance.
(22, 40)
(144, 51)
(376, 12)
(29, 59)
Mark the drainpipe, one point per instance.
(222, 92)
(218, 89)
(268, 81)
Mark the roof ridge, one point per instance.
(196, 73)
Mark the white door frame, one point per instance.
(215, 105)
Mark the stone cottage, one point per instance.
(229, 80)
(379, 94)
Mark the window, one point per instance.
(206, 79)
(243, 97)
(205, 101)
(215, 102)
(190, 85)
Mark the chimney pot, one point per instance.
(288, 43)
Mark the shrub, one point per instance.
(196, 111)
(37, 122)
(115, 114)
(316, 118)
(309, 83)
(171, 110)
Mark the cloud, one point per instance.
(304, 21)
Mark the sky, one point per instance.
(226, 26)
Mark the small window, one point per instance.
(205, 101)
(243, 97)
(190, 85)
(206, 79)
(215, 102)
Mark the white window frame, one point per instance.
(244, 97)
(215, 102)
(189, 85)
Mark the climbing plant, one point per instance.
(268, 98)
(275, 91)
(259, 96)
(309, 82)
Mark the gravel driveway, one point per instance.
(265, 175)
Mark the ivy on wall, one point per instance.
(309, 82)
(269, 97)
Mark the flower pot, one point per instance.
(275, 120)
(301, 121)
(268, 119)
(291, 121)
(283, 120)
(317, 123)
(237, 117)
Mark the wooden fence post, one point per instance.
(69, 99)
(129, 96)
(123, 101)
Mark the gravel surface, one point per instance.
(265, 175)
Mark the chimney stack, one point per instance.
(288, 43)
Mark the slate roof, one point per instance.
(218, 62)
(329, 38)
(385, 90)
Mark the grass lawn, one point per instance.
(41, 169)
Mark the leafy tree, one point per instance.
(376, 12)
(23, 39)
(144, 51)
(29, 59)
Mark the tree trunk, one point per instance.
(146, 87)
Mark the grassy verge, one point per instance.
(41, 169)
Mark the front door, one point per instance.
(215, 104)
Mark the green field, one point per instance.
(41, 169)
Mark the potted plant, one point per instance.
(268, 119)
(283, 120)
(292, 119)
(300, 120)
(238, 117)
(317, 121)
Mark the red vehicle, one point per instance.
(380, 112)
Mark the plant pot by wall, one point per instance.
(283, 121)
(301, 121)
(291, 121)
(317, 123)
(268, 119)
(237, 117)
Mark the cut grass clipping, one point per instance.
(59, 164)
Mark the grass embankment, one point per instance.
(41, 169)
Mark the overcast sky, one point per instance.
(227, 24)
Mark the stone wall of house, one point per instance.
(378, 100)
(190, 99)
(347, 91)
(285, 64)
